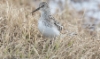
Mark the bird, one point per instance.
(47, 24)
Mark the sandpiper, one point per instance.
(47, 24)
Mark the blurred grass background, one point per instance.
(20, 38)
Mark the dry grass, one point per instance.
(20, 38)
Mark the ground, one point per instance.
(21, 39)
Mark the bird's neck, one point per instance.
(45, 15)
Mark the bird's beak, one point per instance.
(36, 9)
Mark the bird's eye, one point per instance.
(42, 5)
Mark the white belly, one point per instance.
(48, 31)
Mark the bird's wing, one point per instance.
(57, 24)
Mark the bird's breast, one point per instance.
(47, 30)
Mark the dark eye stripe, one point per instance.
(42, 6)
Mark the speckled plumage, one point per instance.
(47, 24)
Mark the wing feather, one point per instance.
(57, 24)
